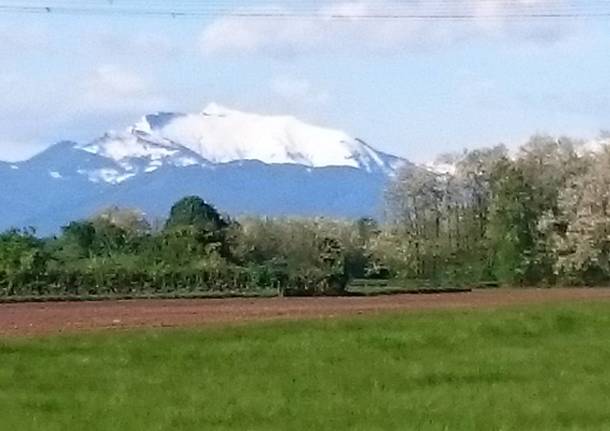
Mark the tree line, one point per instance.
(196, 250)
(538, 217)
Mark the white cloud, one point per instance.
(108, 88)
(112, 87)
(112, 80)
(271, 36)
(289, 36)
(36, 114)
(298, 90)
(154, 46)
(75, 81)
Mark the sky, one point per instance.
(414, 88)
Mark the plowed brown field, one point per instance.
(49, 318)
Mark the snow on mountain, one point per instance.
(135, 151)
(129, 144)
(222, 135)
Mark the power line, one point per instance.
(313, 15)
(435, 10)
(212, 5)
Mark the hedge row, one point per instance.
(120, 281)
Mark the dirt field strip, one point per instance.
(50, 318)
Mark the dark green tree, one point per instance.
(77, 240)
(194, 211)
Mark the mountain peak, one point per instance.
(218, 135)
(222, 135)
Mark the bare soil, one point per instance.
(52, 318)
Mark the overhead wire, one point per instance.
(446, 10)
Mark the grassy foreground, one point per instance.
(542, 367)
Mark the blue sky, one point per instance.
(415, 89)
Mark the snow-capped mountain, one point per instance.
(244, 163)
(221, 135)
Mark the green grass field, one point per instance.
(538, 368)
